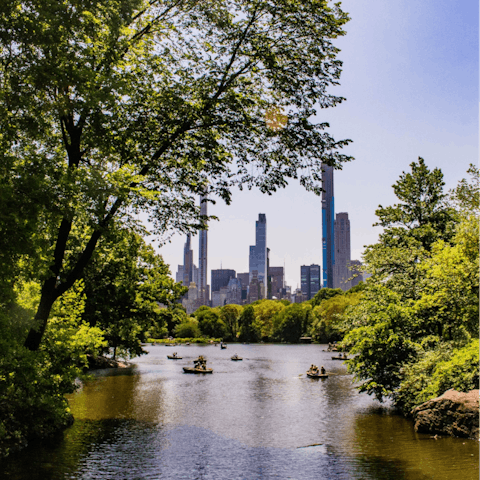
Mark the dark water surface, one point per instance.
(254, 419)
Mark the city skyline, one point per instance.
(420, 100)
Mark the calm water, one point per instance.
(260, 418)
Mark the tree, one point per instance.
(411, 344)
(325, 294)
(328, 321)
(135, 106)
(247, 333)
(188, 328)
(292, 322)
(170, 318)
(422, 213)
(210, 322)
(265, 310)
(411, 227)
(230, 314)
(124, 284)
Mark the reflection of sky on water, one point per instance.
(259, 418)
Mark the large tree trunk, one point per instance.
(47, 299)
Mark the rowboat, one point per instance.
(174, 357)
(236, 358)
(317, 375)
(339, 358)
(197, 370)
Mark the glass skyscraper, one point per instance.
(258, 252)
(328, 217)
(310, 280)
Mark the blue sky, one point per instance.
(410, 76)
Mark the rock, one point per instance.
(96, 363)
(453, 413)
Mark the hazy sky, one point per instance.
(410, 76)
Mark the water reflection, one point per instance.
(259, 418)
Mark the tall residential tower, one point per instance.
(258, 252)
(328, 235)
(258, 256)
(203, 293)
(341, 269)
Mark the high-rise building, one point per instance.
(342, 271)
(179, 275)
(328, 234)
(219, 297)
(254, 289)
(187, 262)
(220, 278)
(310, 280)
(305, 279)
(245, 279)
(277, 280)
(258, 252)
(356, 272)
(234, 292)
(203, 293)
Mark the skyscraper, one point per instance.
(187, 262)
(328, 235)
(258, 252)
(342, 270)
(310, 280)
(356, 272)
(203, 293)
(220, 278)
(276, 275)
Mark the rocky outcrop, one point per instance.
(453, 413)
(96, 363)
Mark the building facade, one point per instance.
(203, 290)
(187, 262)
(179, 274)
(356, 272)
(245, 279)
(328, 233)
(220, 278)
(342, 272)
(258, 252)
(310, 280)
(234, 291)
(277, 281)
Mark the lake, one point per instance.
(260, 418)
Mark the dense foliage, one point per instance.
(415, 329)
(109, 109)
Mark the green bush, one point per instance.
(437, 371)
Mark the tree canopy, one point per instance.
(110, 108)
(415, 329)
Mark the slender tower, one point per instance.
(202, 257)
(328, 217)
(342, 265)
(258, 252)
(187, 262)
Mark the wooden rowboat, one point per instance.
(197, 370)
(236, 358)
(317, 375)
(339, 358)
(172, 357)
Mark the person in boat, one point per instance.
(200, 363)
(345, 355)
(174, 355)
(322, 370)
